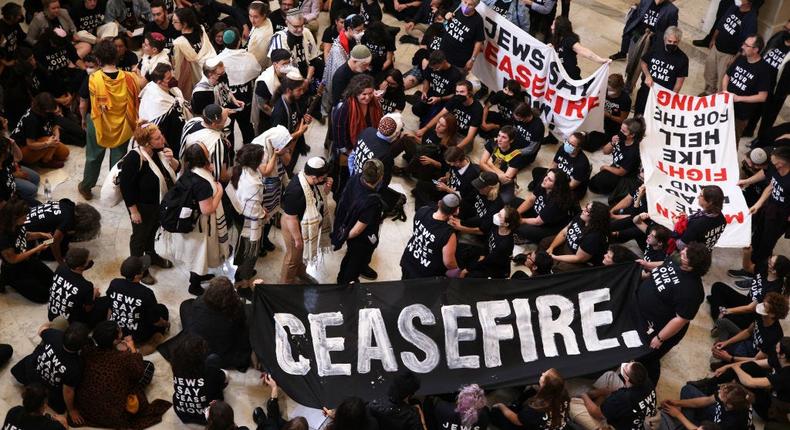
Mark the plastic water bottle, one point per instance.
(47, 190)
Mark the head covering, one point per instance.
(229, 37)
(361, 52)
(60, 32)
(279, 137)
(316, 166)
(758, 156)
(451, 200)
(391, 125)
(294, 75)
(280, 55)
(486, 179)
(213, 62)
(134, 266)
(212, 113)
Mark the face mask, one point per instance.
(358, 36)
(465, 10)
(458, 99)
(172, 83)
(568, 148)
(760, 309)
(497, 220)
(670, 48)
(611, 94)
(738, 3)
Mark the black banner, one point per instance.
(324, 343)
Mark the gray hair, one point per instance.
(293, 15)
(207, 70)
(673, 31)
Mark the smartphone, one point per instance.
(49, 241)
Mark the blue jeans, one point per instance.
(696, 415)
(28, 188)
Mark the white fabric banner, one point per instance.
(566, 104)
(689, 143)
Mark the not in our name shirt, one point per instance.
(666, 67)
(131, 305)
(88, 19)
(16, 240)
(549, 209)
(593, 243)
(650, 18)
(748, 79)
(626, 156)
(68, 294)
(615, 106)
(627, 408)
(423, 254)
(667, 292)
(775, 56)
(54, 58)
(442, 82)
(467, 116)
(462, 32)
(734, 27)
(779, 187)
(55, 366)
(577, 167)
(761, 286)
(765, 338)
(731, 420)
(18, 419)
(32, 126)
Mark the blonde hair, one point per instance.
(145, 132)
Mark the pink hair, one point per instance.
(471, 399)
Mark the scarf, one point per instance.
(343, 39)
(315, 227)
(149, 62)
(270, 79)
(158, 172)
(215, 222)
(114, 104)
(188, 64)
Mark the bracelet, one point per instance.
(658, 336)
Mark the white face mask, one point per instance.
(358, 36)
(498, 221)
(738, 3)
(89, 70)
(611, 94)
(760, 309)
(623, 369)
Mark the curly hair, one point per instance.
(87, 223)
(357, 85)
(561, 192)
(145, 132)
(698, 256)
(106, 53)
(14, 209)
(471, 399)
(599, 219)
(777, 304)
(222, 297)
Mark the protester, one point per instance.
(738, 22)
(650, 17)
(241, 71)
(51, 16)
(464, 38)
(267, 85)
(584, 242)
(665, 65)
(340, 54)
(162, 23)
(197, 379)
(272, 419)
(399, 410)
(469, 411)
(547, 209)
(547, 406)
(208, 132)
(38, 135)
(568, 46)
(276, 155)
(505, 101)
(617, 107)
(748, 78)
(247, 183)
(190, 50)
(431, 249)
(127, 59)
(32, 413)
(729, 407)
(71, 296)
(392, 99)
(438, 86)
(571, 160)
(260, 33)
(304, 50)
(351, 413)
(615, 179)
(163, 104)
(289, 112)
(503, 158)
(495, 263)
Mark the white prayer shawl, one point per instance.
(159, 174)
(196, 132)
(258, 45)
(280, 41)
(315, 227)
(188, 64)
(271, 80)
(155, 102)
(149, 62)
(240, 66)
(249, 195)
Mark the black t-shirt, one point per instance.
(615, 106)
(650, 18)
(774, 58)
(748, 79)
(627, 408)
(761, 286)
(779, 184)
(529, 134)
(370, 146)
(52, 58)
(330, 34)
(14, 36)
(568, 56)
(765, 338)
(379, 50)
(127, 61)
(369, 213)
(577, 167)
(7, 180)
(15, 240)
(287, 114)
(340, 81)
(461, 34)
(442, 82)
(88, 20)
(484, 211)
(734, 27)
(461, 182)
(704, 229)
(505, 104)
(466, 116)
(51, 216)
(666, 67)
(539, 420)
(54, 365)
(170, 33)
(17, 419)
(446, 417)
(193, 395)
(593, 243)
(627, 157)
(293, 201)
(504, 160)
(278, 21)
(298, 54)
(549, 209)
(195, 40)
(731, 420)
(32, 126)
(654, 255)
(668, 292)
(393, 100)
(780, 384)
(497, 262)
(132, 307)
(68, 295)
(423, 254)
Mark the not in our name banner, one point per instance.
(566, 105)
(689, 143)
(325, 343)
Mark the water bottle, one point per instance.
(47, 190)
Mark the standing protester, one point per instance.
(306, 220)
(381, 143)
(249, 201)
(738, 23)
(260, 33)
(568, 46)
(775, 55)
(163, 104)
(267, 86)
(148, 172)
(665, 65)
(154, 53)
(304, 50)
(340, 54)
(463, 40)
(650, 16)
(114, 103)
(190, 50)
(748, 78)
(289, 112)
(431, 249)
(208, 132)
(241, 71)
(214, 89)
(357, 62)
(276, 155)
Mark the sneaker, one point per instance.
(258, 416)
(159, 261)
(618, 56)
(267, 245)
(148, 279)
(739, 273)
(702, 43)
(407, 38)
(196, 290)
(744, 285)
(368, 273)
(84, 192)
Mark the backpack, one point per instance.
(178, 212)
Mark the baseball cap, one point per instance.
(134, 266)
(486, 179)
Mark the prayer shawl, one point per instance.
(216, 223)
(114, 105)
(315, 227)
(149, 62)
(155, 102)
(272, 82)
(158, 172)
(338, 55)
(196, 132)
(188, 64)
(309, 47)
(240, 66)
(249, 195)
(258, 45)
(273, 139)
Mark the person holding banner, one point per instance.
(548, 209)
(568, 46)
(399, 410)
(431, 249)
(464, 36)
(617, 178)
(666, 65)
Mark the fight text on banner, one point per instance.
(690, 143)
(325, 343)
(566, 104)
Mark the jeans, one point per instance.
(28, 188)
(94, 156)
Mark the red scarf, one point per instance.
(344, 41)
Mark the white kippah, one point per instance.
(294, 75)
(213, 62)
(316, 163)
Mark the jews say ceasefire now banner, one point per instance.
(689, 143)
(325, 343)
(566, 105)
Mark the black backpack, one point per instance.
(172, 215)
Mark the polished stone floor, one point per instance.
(598, 22)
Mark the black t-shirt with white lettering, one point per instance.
(13, 36)
(461, 182)
(704, 229)
(393, 100)
(442, 82)
(774, 58)
(615, 106)
(446, 417)
(627, 408)
(170, 33)
(379, 52)
(549, 209)
(669, 291)
(53, 58)
(461, 34)
(761, 286)
(370, 213)
(779, 184)
(594, 243)
(748, 79)
(568, 56)
(504, 160)
(529, 134)
(88, 20)
(330, 34)
(504, 104)
(195, 40)
(51, 216)
(15, 241)
(370, 146)
(32, 126)
(422, 257)
(734, 27)
(627, 157)
(654, 255)
(68, 295)
(466, 116)
(18, 419)
(54, 366)
(577, 167)
(541, 420)
(132, 307)
(650, 18)
(192, 394)
(666, 67)
(731, 420)
(765, 338)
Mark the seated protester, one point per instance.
(380, 143)
(622, 398)
(538, 263)
(474, 217)
(147, 321)
(38, 135)
(392, 98)
(52, 16)
(669, 299)
(267, 85)
(382, 48)
(584, 242)
(547, 409)
(32, 413)
(463, 40)
(503, 158)
(67, 120)
(430, 42)
(546, 210)
(56, 363)
(22, 269)
(58, 57)
(656, 244)
(219, 416)
(426, 158)
(633, 204)
(730, 408)
(728, 302)
(66, 222)
(617, 107)
(757, 340)
(756, 160)
(529, 130)
(438, 87)
(218, 317)
(21, 82)
(470, 410)
(431, 249)
(466, 110)
(459, 172)
(163, 104)
(571, 159)
(505, 101)
(665, 65)
(87, 16)
(630, 221)
(198, 379)
(128, 15)
(273, 419)
(11, 31)
(162, 22)
(127, 60)
(241, 69)
(114, 370)
(351, 413)
(399, 410)
(495, 260)
(617, 254)
(616, 178)
(72, 297)
(15, 179)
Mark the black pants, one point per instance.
(722, 295)
(245, 123)
(358, 254)
(627, 231)
(652, 360)
(769, 224)
(144, 234)
(641, 99)
(6, 351)
(536, 233)
(71, 132)
(762, 398)
(604, 182)
(31, 278)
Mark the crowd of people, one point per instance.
(169, 87)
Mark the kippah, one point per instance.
(213, 62)
(360, 52)
(229, 37)
(294, 75)
(451, 201)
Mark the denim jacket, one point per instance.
(116, 12)
(517, 13)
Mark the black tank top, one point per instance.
(422, 257)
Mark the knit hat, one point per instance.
(229, 37)
(391, 125)
(280, 55)
(451, 200)
(316, 166)
(212, 113)
(361, 52)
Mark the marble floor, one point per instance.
(598, 22)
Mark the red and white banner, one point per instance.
(510, 53)
(689, 143)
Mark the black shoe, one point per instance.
(196, 289)
(258, 415)
(368, 273)
(702, 43)
(159, 261)
(407, 38)
(414, 98)
(739, 273)
(618, 56)
(267, 245)
(744, 284)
